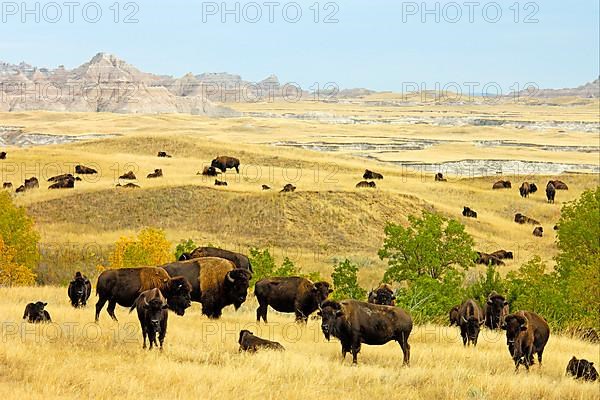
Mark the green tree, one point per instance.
(485, 284)
(185, 246)
(18, 232)
(264, 266)
(345, 282)
(430, 246)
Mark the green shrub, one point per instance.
(345, 282)
(264, 266)
(185, 246)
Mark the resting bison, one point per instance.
(290, 294)
(488, 259)
(83, 170)
(2, 155)
(526, 334)
(538, 232)
(20, 189)
(128, 186)
(527, 188)
(31, 183)
(289, 188)
(502, 185)
(7, 185)
(79, 290)
(63, 177)
(240, 260)
(502, 254)
(152, 312)
(220, 183)
(35, 313)
(249, 342)
(496, 309)
(471, 318)
(123, 286)
(454, 316)
(439, 177)
(266, 187)
(365, 184)
(163, 154)
(467, 212)
(371, 175)
(355, 322)
(522, 219)
(582, 369)
(383, 295)
(156, 174)
(224, 163)
(550, 192)
(67, 182)
(209, 171)
(216, 283)
(128, 176)
(559, 185)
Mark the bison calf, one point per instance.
(582, 369)
(249, 342)
(79, 290)
(365, 184)
(439, 177)
(538, 232)
(526, 334)
(454, 316)
(152, 312)
(35, 313)
(467, 212)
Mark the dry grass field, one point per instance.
(325, 218)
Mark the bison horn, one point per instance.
(145, 302)
(463, 318)
(229, 278)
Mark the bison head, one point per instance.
(495, 308)
(330, 313)
(243, 333)
(236, 286)
(321, 290)
(178, 296)
(383, 295)
(154, 311)
(514, 325)
(473, 325)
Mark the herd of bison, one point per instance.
(218, 278)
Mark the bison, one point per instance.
(550, 192)
(496, 309)
(290, 294)
(240, 260)
(184, 257)
(454, 316)
(355, 322)
(502, 185)
(522, 219)
(467, 212)
(3, 155)
(35, 313)
(152, 312)
(209, 171)
(224, 163)
(488, 259)
(68, 182)
(32, 183)
(582, 369)
(527, 188)
(249, 342)
(220, 183)
(83, 170)
(471, 318)
(526, 334)
(7, 185)
(502, 255)
(63, 177)
(289, 188)
(383, 295)
(365, 184)
(371, 175)
(20, 189)
(559, 185)
(128, 186)
(123, 286)
(156, 174)
(216, 283)
(538, 232)
(439, 177)
(79, 290)
(163, 154)
(266, 187)
(128, 176)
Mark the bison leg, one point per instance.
(300, 317)
(111, 309)
(261, 312)
(463, 334)
(99, 306)
(237, 169)
(403, 342)
(144, 333)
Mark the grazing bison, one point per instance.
(383, 295)
(526, 334)
(209, 171)
(249, 342)
(488, 259)
(216, 283)
(471, 319)
(527, 188)
(224, 163)
(2, 155)
(35, 313)
(123, 286)
(371, 175)
(83, 170)
(439, 177)
(289, 188)
(128, 186)
(163, 154)
(156, 174)
(502, 255)
(467, 212)
(582, 369)
(522, 219)
(266, 187)
(152, 312)
(365, 184)
(496, 309)
(79, 290)
(355, 322)
(454, 316)
(559, 185)
(68, 182)
(538, 232)
(220, 183)
(128, 176)
(502, 185)
(240, 260)
(20, 189)
(290, 294)
(32, 183)
(550, 192)
(7, 185)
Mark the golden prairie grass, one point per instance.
(75, 358)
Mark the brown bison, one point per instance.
(35, 313)
(128, 176)
(128, 186)
(502, 255)
(240, 260)
(83, 170)
(67, 182)
(582, 369)
(249, 342)
(220, 183)
(224, 163)
(266, 187)
(488, 259)
(383, 295)
(209, 171)
(63, 177)
(454, 316)
(527, 188)
(355, 322)
(80, 289)
(7, 185)
(365, 184)
(290, 294)
(371, 175)
(289, 188)
(502, 185)
(216, 283)
(439, 177)
(522, 219)
(559, 185)
(538, 232)
(32, 183)
(2, 155)
(467, 212)
(152, 312)
(20, 189)
(496, 309)
(471, 319)
(526, 334)
(123, 286)
(163, 154)
(550, 192)
(156, 174)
